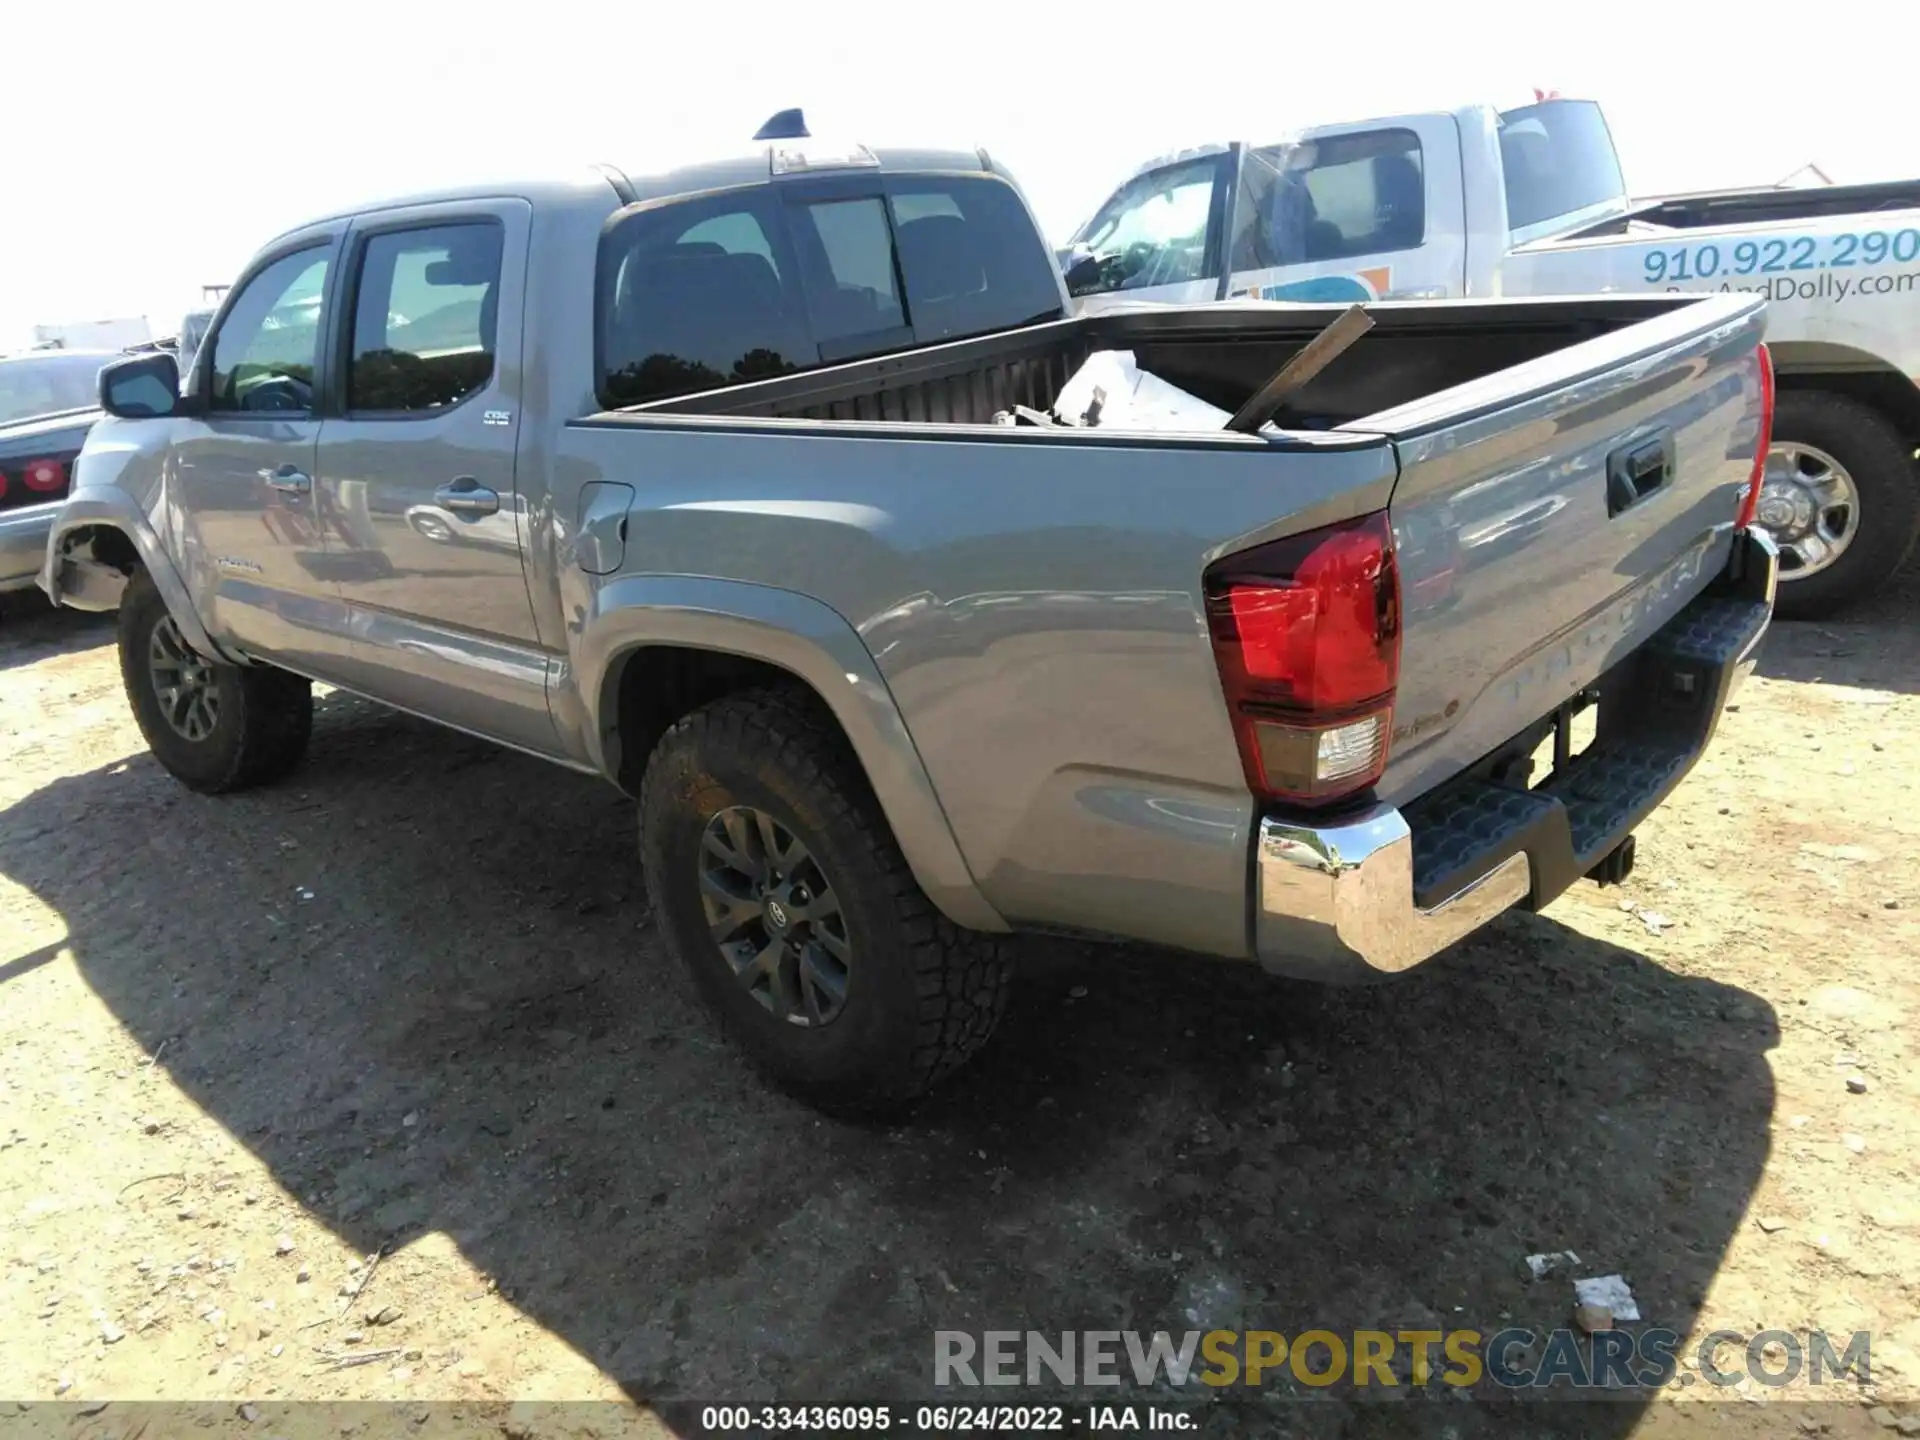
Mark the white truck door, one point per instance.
(1370, 211)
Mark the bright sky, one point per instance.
(181, 135)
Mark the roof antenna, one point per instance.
(786, 125)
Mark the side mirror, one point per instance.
(141, 387)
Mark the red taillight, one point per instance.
(1306, 632)
(45, 475)
(1750, 502)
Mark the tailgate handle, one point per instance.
(1635, 471)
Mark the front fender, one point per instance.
(84, 584)
(809, 640)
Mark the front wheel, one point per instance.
(781, 889)
(1840, 497)
(216, 727)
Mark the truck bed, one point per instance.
(1221, 353)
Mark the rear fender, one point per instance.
(816, 645)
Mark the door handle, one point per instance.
(289, 480)
(1636, 471)
(466, 496)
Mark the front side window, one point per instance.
(1329, 199)
(425, 313)
(265, 351)
(1152, 231)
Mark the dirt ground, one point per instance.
(410, 1004)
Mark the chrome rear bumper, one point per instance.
(1363, 896)
(1336, 902)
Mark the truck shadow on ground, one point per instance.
(1153, 1142)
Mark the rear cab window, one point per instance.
(769, 280)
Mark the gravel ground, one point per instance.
(410, 1003)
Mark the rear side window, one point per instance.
(1558, 158)
(426, 308)
(766, 281)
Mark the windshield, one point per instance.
(1152, 231)
(47, 384)
(1558, 158)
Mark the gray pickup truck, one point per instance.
(695, 482)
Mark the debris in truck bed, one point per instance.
(1313, 357)
(1025, 415)
(1112, 392)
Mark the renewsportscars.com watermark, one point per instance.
(1513, 1358)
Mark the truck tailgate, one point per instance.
(1527, 569)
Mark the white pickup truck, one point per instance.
(1480, 203)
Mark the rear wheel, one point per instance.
(781, 889)
(216, 727)
(1841, 498)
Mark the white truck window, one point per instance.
(1154, 230)
(1330, 198)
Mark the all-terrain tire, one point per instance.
(922, 995)
(261, 725)
(1881, 466)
